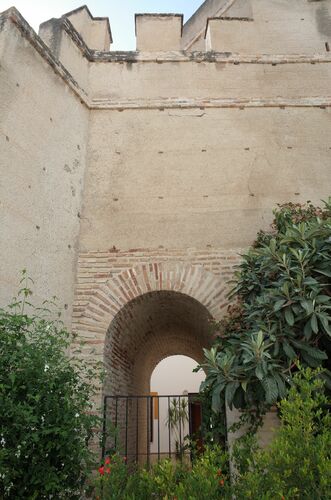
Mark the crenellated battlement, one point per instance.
(95, 31)
(253, 27)
(254, 52)
(158, 32)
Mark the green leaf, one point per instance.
(281, 386)
(289, 351)
(229, 392)
(313, 323)
(259, 339)
(324, 271)
(271, 389)
(324, 319)
(308, 306)
(307, 330)
(289, 316)
(216, 398)
(312, 362)
(326, 376)
(244, 385)
(278, 305)
(323, 299)
(259, 372)
(315, 353)
(310, 281)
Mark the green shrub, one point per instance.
(207, 478)
(297, 465)
(281, 313)
(45, 419)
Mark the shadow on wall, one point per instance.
(323, 20)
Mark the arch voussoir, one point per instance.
(108, 298)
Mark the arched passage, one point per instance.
(92, 317)
(148, 329)
(145, 314)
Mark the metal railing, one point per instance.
(150, 427)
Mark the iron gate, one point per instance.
(147, 428)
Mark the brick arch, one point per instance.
(178, 347)
(106, 300)
(143, 315)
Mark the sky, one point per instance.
(120, 13)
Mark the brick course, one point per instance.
(124, 293)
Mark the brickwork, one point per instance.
(97, 268)
(149, 301)
(135, 308)
(108, 280)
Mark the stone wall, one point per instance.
(272, 27)
(43, 137)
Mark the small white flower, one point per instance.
(77, 415)
(3, 442)
(42, 419)
(46, 367)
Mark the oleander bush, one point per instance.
(280, 313)
(45, 406)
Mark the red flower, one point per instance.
(108, 470)
(107, 461)
(101, 470)
(125, 459)
(221, 482)
(219, 472)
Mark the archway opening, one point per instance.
(175, 420)
(175, 375)
(147, 330)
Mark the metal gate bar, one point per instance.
(125, 419)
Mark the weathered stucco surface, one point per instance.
(273, 27)
(195, 177)
(148, 29)
(43, 136)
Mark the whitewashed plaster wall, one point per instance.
(43, 136)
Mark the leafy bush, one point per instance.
(298, 463)
(45, 419)
(281, 313)
(206, 479)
